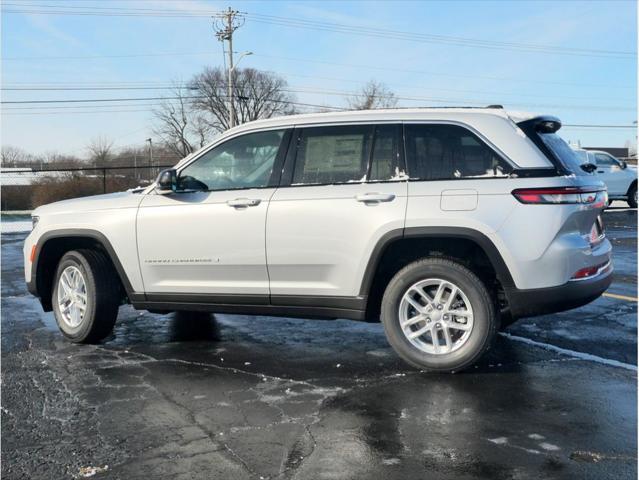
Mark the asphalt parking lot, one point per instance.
(257, 397)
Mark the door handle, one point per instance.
(375, 197)
(600, 171)
(244, 202)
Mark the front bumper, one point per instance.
(573, 294)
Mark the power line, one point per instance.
(125, 86)
(323, 92)
(575, 126)
(89, 57)
(435, 73)
(321, 26)
(440, 39)
(598, 126)
(187, 97)
(340, 64)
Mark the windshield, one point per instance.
(566, 155)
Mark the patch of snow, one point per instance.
(571, 353)
(499, 440)
(549, 446)
(86, 472)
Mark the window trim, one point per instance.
(398, 151)
(468, 128)
(276, 171)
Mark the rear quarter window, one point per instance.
(449, 152)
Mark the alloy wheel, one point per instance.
(436, 316)
(72, 296)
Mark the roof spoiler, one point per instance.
(543, 124)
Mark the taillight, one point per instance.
(594, 196)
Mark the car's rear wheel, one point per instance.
(85, 296)
(632, 196)
(438, 315)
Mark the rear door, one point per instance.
(343, 188)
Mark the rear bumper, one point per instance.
(573, 294)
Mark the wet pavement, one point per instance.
(234, 397)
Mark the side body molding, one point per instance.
(34, 286)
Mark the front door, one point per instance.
(610, 172)
(208, 236)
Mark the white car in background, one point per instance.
(620, 179)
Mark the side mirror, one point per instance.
(588, 167)
(624, 164)
(166, 182)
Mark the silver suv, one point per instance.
(446, 224)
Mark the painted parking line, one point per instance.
(571, 353)
(613, 210)
(620, 297)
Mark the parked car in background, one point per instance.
(620, 179)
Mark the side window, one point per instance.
(386, 163)
(445, 152)
(332, 155)
(604, 160)
(242, 162)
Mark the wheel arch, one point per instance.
(632, 184)
(54, 244)
(400, 247)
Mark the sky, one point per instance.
(573, 59)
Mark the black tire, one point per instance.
(103, 296)
(485, 317)
(632, 196)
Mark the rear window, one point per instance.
(566, 155)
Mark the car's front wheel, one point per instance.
(632, 196)
(85, 296)
(438, 315)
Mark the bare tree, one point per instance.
(373, 95)
(181, 127)
(100, 150)
(14, 156)
(257, 95)
(55, 159)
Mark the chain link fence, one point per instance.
(24, 189)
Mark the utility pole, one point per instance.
(150, 155)
(225, 23)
